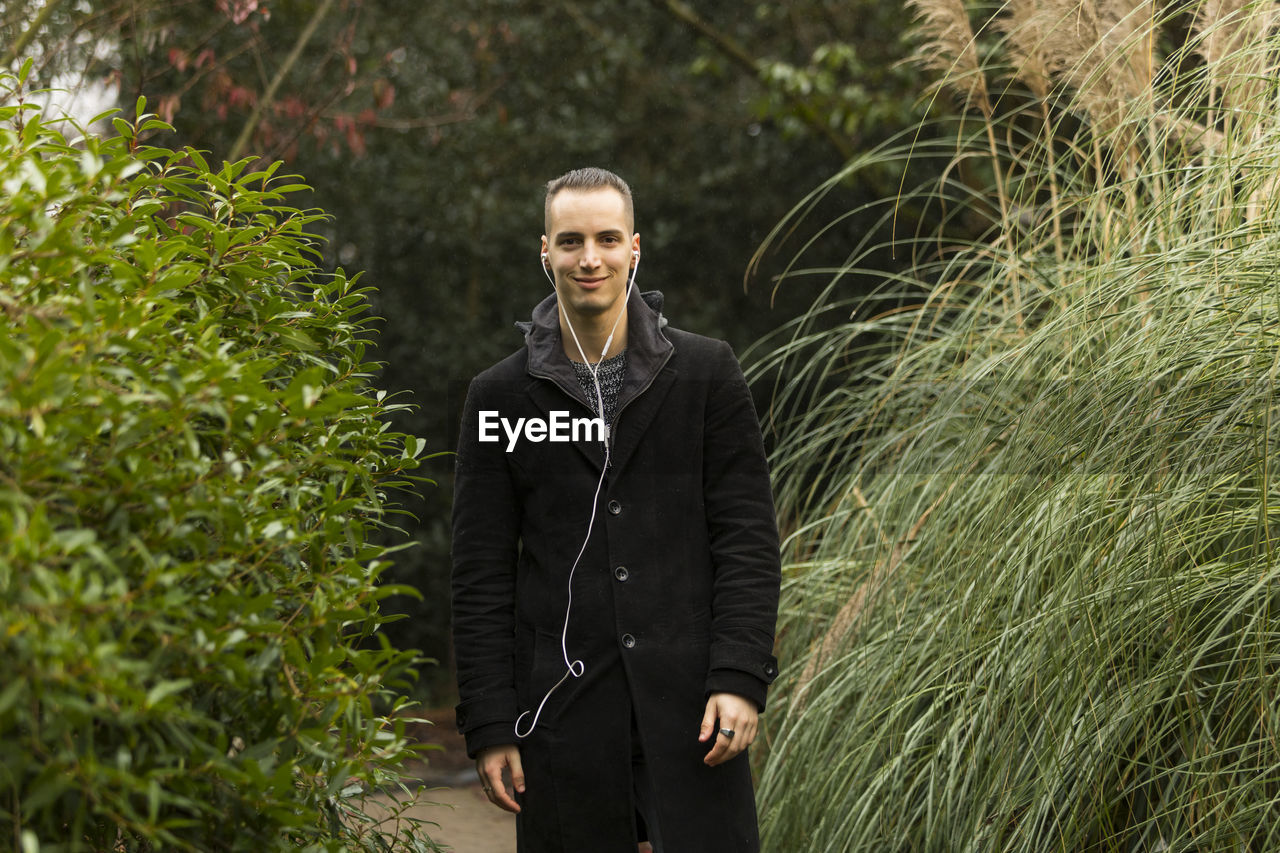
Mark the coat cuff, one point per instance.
(494, 734)
(744, 657)
(737, 682)
(487, 720)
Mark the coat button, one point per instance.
(621, 573)
(614, 508)
(770, 670)
(628, 641)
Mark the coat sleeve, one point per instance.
(486, 528)
(743, 533)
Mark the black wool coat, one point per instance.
(675, 595)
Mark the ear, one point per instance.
(635, 246)
(545, 244)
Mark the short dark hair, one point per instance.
(586, 179)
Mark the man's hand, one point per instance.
(728, 711)
(489, 766)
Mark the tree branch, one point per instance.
(15, 50)
(269, 96)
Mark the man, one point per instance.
(614, 596)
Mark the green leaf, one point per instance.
(11, 693)
(165, 689)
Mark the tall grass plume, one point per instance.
(1031, 594)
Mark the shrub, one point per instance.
(191, 464)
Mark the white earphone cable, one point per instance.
(576, 667)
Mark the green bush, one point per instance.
(192, 463)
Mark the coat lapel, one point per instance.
(548, 397)
(635, 417)
(647, 383)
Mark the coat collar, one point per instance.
(646, 382)
(647, 347)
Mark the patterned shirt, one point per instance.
(610, 373)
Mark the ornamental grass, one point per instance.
(1030, 593)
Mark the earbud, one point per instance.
(546, 269)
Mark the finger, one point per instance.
(517, 772)
(502, 798)
(487, 780)
(744, 728)
(488, 773)
(708, 721)
(722, 751)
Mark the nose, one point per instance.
(590, 255)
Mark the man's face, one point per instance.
(589, 245)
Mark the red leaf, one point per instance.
(384, 93)
(355, 141)
(168, 106)
(238, 10)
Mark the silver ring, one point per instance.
(727, 733)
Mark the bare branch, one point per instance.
(269, 96)
(15, 50)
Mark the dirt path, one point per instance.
(465, 821)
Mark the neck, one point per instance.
(593, 332)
